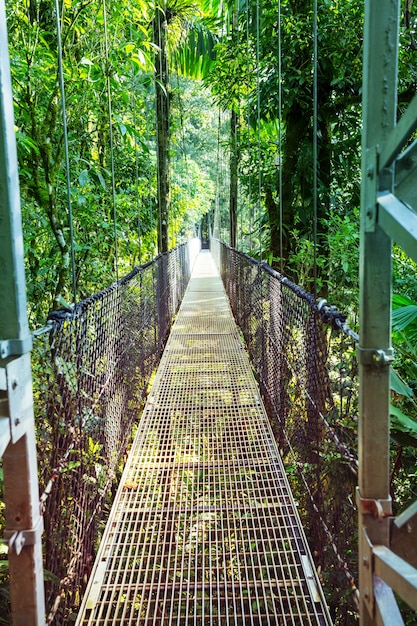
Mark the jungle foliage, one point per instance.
(110, 100)
(221, 62)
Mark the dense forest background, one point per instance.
(184, 111)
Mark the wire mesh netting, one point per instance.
(204, 529)
(92, 366)
(306, 376)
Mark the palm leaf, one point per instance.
(399, 300)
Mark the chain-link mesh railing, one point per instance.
(304, 374)
(92, 367)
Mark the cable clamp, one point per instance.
(18, 539)
(380, 509)
(375, 356)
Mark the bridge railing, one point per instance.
(92, 365)
(303, 371)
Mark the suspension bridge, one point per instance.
(204, 527)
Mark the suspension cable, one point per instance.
(249, 133)
(280, 158)
(315, 115)
(159, 59)
(110, 114)
(258, 106)
(150, 178)
(183, 142)
(216, 230)
(66, 149)
(137, 203)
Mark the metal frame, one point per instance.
(387, 213)
(17, 430)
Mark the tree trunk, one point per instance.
(323, 203)
(160, 26)
(233, 177)
(273, 220)
(297, 129)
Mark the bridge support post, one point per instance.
(17, 429)
(383, 218)
(379, 110)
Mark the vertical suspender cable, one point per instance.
(66, 149)
(280, 137)
(184, 149)
(158, 11)
(258, 106)
(110, 114)
(150, 180)
(249, 135)
(136, 172)
(219, 179)
(137, 203)
(315, 115)
(216, 230)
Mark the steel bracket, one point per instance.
(405, 174)
(377, 594)
(380, 509)
(397, 573)
(18, 539)
(367, 565)
(15, 347)
(386, 606)
(370, 215)
(16, 402)
(386, 179)
(404, 535)
(375, 356)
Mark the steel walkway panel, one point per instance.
(204, 528)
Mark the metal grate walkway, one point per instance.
(204, 528)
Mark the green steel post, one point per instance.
(17, 442)
(375, 354)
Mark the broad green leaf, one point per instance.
(406, 423)
(399, 386)
(83, 178)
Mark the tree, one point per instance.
(339, 76)
(162, 100)
(33, 45)
(172, 25)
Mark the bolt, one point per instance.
(370, 172)
(378, 356)
(366, 593)
(17, 421)
(14, 384)
(409, 527)
(366, 561)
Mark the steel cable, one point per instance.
(111, 139)
(66, 149)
